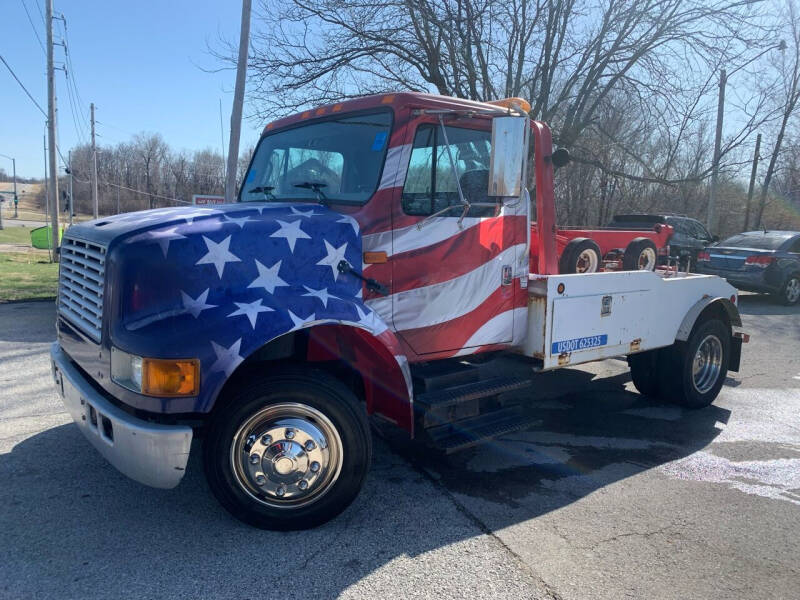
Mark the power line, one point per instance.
(35, 31)
(14, 75)
(71, 67)
(74, 110)
(41, 12)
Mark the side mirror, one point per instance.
(715, 238)
(509, 148)
(560, 158)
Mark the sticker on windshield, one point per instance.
(379, 141)
(583, 343)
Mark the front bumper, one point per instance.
(150, 453)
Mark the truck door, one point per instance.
(456, 281)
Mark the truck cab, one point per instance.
(379, 248)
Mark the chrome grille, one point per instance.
(80, 290)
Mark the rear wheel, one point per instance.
(581, 255)
(790, 291)
(644, 372)
(288, 451)
(640, 255)
(692, 373)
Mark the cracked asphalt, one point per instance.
(606, 495)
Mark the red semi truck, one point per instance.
(379, 250)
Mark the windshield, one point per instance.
(338, 160)
(759, 240)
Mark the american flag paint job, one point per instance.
(217, 284)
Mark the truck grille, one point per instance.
(80, 290)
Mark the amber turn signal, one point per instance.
(168, 377)
(375, 258)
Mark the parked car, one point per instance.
(688, 238)
(757, 261)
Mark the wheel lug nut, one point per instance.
(255, 459)
(303, 484)
(310, 445)
(314, 467)
(280, 491)
(260, 479)
(290, 434)
(266, 440)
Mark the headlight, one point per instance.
(155, 376)
(126, 370)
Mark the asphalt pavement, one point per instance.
(607, 495)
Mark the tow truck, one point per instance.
(380, 248)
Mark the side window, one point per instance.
(431, 185)
(795, 247)
(700, 231)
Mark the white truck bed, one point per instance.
(580, 318)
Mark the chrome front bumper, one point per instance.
(149, 453)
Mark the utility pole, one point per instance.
(222, 144)
(238, 100)
(71, 201)
(94, 167)
(751, 189)
(16, 200)
(711, 218)
(51, 131)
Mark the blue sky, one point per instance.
(139, 62)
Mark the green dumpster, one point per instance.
(42, 238)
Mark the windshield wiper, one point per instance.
(316, 187)
(263, 189)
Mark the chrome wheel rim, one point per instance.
(707, 364)
(647, 259)
(286, 455)
(587, 262)
(793, 290)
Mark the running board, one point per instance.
(463, 434)
(471, 391)
(455, 403)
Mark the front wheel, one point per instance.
(289, 451)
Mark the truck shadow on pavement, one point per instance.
(71, 526)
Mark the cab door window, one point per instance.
(431, 184)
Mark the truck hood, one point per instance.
(108, 229)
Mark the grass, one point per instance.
(40, 217)
(27, 276)
(15, 235)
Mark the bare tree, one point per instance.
(151, 151)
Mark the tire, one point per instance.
(581, 255)
(288, 451)
(644, 372)
(678, 382)
(640, 255)
(790, 290)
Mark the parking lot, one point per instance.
(608, 495)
